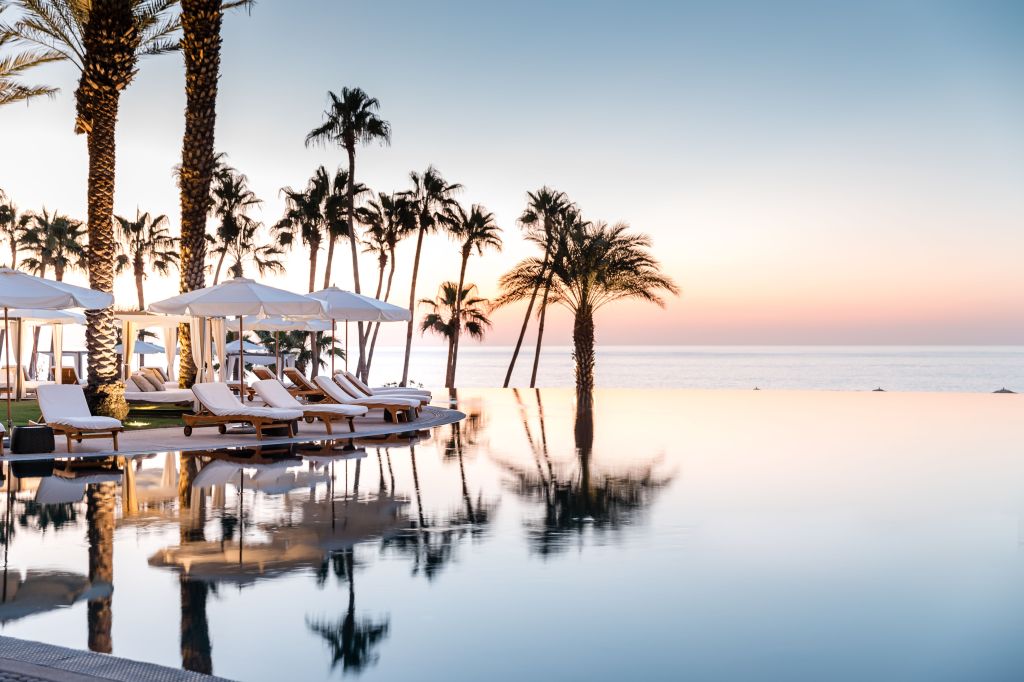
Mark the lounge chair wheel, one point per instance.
(309, 420)
(222, 429)
(188, 431)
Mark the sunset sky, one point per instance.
(810, 172)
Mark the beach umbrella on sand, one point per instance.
(280, 324)
(22, 290)
(240, 297)
(348, 306)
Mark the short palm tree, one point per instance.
(144, 245)
(238, 234)
(389, 219)
(12, 225)
(337, 215)
(476, 231)
(543, 208)
(449, 313)
(430, 195)
(602, 264)
(104, 40)
(56, 243)
(305, 219)
(351, 120)
(14, 65)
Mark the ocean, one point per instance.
(839, 368)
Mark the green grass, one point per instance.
(154, 417)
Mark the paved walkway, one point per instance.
(24, 661)
(147, 441)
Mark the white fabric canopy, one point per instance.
(57, 345)
(127, 344)
(239, 296)
(218, 337)
(345, 305)
(170, 334)
(286, 324)
(22, 290)
(41, 316)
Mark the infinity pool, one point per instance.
(706, 535)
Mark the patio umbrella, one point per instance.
(280, 324)
(239, 296)
(346, 305)
(22, 290)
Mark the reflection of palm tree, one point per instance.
(196, 648)
(100, 517)
(351, 640)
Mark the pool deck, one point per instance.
(148, 441)
(25, 661)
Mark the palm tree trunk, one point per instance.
(450, 381)
(412, 307)
(100, 517)
(220, 264)
(329, 265)
(14, 253)
(104, 390)
(352, 239)
(540, 327)
(583, 354)
(200, 45)
(380, 285)
(376, 327)
(140, 273)
(314, 347)
(526, 321)
(313, 249)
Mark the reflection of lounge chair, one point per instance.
(65, 411)
(221, 408)
(393, 407)
(399, 391)
(301, 386)
(275, 394)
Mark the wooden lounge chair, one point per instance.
(353, 390)
(65, 411)
(301, 386)
(221, 407)
(262, 373)
(386, 391)
(394, 408)
(275, 394)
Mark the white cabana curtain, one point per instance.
(57, 346)
(128, 334)
(24, 330)
(217, 332)
(195, 332)
(170, 335)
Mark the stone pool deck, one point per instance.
(147, 441)
(24, 661)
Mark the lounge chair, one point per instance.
(28, 386)
(262, 373)
(393, 407)
(135, 395)
(301, 386)
(354, 391)
(402, 391)
(65, 411)
(221, 407)
(274, 394)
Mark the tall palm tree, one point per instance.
(14, 65)
(602, 264)
(431, 195)
(476, 231)
(336, 212)
(56, 242)
(99, 514)
(238, 233)
(144, 244)
(305, 219)
(389, 219)
(449, 313)
(538, 221)
(351, 120)
(104, 40)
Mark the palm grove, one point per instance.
(582, 265)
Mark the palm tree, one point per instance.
(337, 215)
(12, 225)
(55, 241)
(389, 219)
(297, 343)
(601, 265)
(238, 234)
(200, 46)
(305, 218)
(350, 120)
(431, 195)
(144, 244)
(477, 231)
(443, 311)
(104, 40)
(100, 510)
(12, 66)
(538, 221)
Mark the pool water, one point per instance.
(707, 535)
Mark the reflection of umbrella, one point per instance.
(219, 472)
(43, 590)
(346, 305)
(239, 296)
(61, 490)
(21, 290)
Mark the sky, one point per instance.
(810, 173)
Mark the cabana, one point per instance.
(22, 321)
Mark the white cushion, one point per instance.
(345, 410)
(273, 393)
(86, 422)
(335, 393)
(218, 399)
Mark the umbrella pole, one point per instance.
(7, 352)
(346, 345)
(334, 346)
(277, 354)
(241, 359)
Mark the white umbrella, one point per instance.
(280, 324)
(143, 348)
(22, 290)
(239, 297)
(346, 305)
